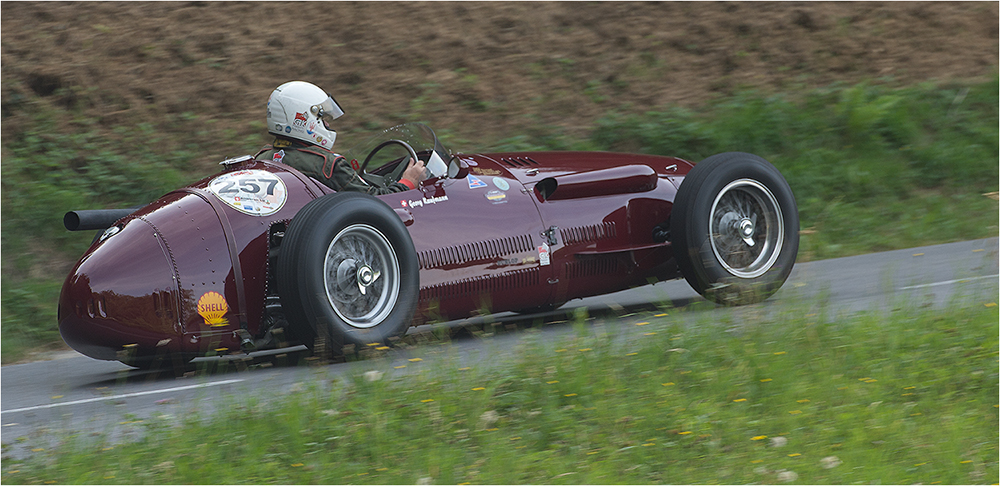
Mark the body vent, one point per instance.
(584, 234)
(526, 277)
(471, 252)
(592, 267)
(519, 161)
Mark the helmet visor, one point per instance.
(329, 110)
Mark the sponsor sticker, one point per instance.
(288, 129)
(300, 121)
(543, 254)
(501, 183)
(212, 306)
(278, 156)
(254, 192)
(485, 172)
(497, 197)
(475, 182)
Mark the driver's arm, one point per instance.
(415, 173)
(344, 178)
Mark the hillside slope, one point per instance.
(484, 70)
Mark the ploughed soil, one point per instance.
(481, 71)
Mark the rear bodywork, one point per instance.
(190, 273)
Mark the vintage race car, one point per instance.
(260, 250)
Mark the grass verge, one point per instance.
(899, 396)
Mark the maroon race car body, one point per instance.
(222, 263)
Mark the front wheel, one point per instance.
(735, 228)
(347, 273)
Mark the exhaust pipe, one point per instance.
(94, 219)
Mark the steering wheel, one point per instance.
(400, 168)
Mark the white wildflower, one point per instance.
(830, 462)
(787, 476)
(488, 418)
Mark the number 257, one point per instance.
(249, 185)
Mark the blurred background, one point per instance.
(872, 110)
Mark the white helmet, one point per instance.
(302, 110)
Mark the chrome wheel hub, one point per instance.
(362, 276)
(746, 229)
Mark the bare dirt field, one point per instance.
(479, 70)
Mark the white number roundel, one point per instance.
(255, 192)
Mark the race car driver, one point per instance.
(299, 116)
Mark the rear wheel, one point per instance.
(734, 228)
(347, 274)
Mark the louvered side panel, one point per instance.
(519, 161)
(474, 252)
(586, 234)
(592, 267)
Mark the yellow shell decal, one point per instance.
(213, 307)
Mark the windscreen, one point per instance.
(419, 136)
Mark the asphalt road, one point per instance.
(72, 393)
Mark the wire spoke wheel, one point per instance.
(746, 228)
(361, 276)
(735, 228)
(347, 274)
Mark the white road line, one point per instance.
(948, 282)
(126, 395)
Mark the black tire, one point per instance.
(735, 228)
(347, 274)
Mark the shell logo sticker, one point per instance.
(213, 307)
(254, 192)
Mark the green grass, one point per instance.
(873, 168)
(896, 396)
